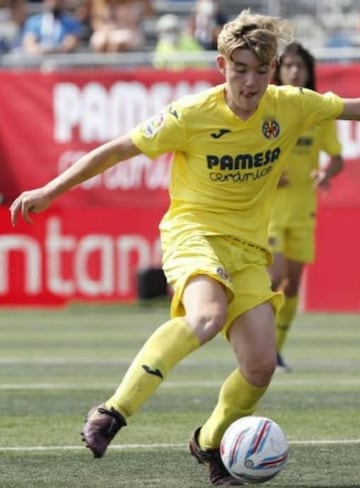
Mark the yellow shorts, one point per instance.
(240, 266)
(296, 243)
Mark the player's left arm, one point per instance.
(330, 143)
(351, 109)
(322, 176)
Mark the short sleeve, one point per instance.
(162, 133)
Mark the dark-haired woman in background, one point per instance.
(292, 225)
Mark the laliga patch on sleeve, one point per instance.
(153, 125)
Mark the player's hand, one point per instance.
(33, 201)
(283, 180)
(320, 179)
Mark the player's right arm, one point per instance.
(91, 164)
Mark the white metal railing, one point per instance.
(121, 60)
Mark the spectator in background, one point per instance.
(293, 214)
(207, 21)
(54, 30)
(12, 18)
(81, 9)
(173, 42)
(117, 25)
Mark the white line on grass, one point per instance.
(168, 446)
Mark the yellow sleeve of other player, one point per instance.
(330, 142)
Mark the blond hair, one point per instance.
(265, 36)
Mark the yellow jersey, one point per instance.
(224, 169)
(295, 204)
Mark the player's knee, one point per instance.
(275, 283)
(292, 288)
(259, 370)
(276, 277)
(207, 323)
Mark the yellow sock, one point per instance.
(237, 398)
(168, 345)
(284, 320)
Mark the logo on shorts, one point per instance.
(223, 274)
(270, 129)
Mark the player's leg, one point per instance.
(205, 330)
(278, 274)
(205, 303)
(198, 309)
(250, 329)
(291, 298)
(278, 271)
(276, 242)
(253, 341)
(299, 251)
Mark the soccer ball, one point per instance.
(254, 449)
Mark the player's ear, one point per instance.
(273, 68)
(221, 63)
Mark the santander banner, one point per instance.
(92, 241)
(83, 253)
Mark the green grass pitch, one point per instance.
(56, 364)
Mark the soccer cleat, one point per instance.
(101, 426)
(218, 474)
(281, 364)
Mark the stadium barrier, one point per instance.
(92, 242)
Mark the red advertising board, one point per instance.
(50, 120)
(80, 253)
(332, 283)
(89, 245)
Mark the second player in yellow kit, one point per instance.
(293, 216)
(229, 145)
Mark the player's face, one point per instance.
(246, 80)
(293, 70)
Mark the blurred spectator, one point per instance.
(207, 22)
(81, 9)
(54, 30)
(174, 41)
(339, 38)
(118, 24)
(12, 18)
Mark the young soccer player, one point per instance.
(230, 144)
(293, 216)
